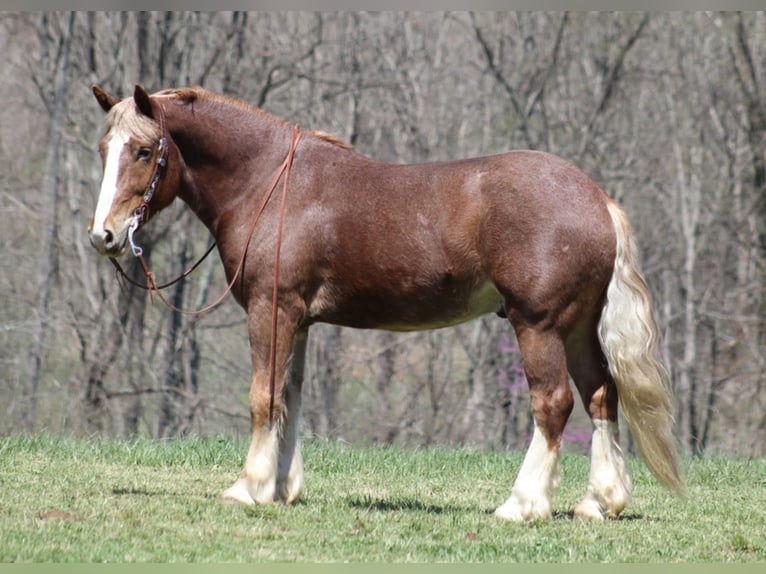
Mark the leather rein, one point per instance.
(141, 215)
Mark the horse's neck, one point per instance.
(229, 156)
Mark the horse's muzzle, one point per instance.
(107, 242)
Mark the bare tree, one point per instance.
(55, 34)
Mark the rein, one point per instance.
(141, 215)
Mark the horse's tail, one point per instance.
(629, 335)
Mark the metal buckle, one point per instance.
(137, 250)
(162, 148)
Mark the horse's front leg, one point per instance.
(273, 469)
(290, 461)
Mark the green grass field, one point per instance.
(63, 500)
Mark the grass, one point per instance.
(63, 500)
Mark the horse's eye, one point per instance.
(144, 153)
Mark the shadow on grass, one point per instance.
(622, 518)
(134, 491)
(401, 504)
(139, 492)
(412, 505)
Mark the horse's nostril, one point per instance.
(108, 237)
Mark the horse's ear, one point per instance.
(143, 102)
(105, 100)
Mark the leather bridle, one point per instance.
(141, 216)
(141, 213)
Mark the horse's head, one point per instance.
(139, 179)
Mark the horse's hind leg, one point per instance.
(545, 366)
(609, 484)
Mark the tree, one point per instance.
(55, 34)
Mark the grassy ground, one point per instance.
(77, 501)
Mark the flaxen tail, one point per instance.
(629, 335)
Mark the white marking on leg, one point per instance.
(534, 487)
(290, 475)
(258, 481)
(261, 465)
(609, 484)
(238, 493)
(290, 484)
(290, 470)
(116, 141)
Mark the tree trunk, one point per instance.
(50, 183)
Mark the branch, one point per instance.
(549, 72)
(612, 78)
(290, 68)
(148, 391)
(501, 79)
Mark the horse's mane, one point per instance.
(331, 138)
(124, 116)
(199, 94)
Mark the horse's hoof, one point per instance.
(518, 511)
(589, 509)
(238, 494)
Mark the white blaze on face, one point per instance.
(115, 143)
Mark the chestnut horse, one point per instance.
(365, 244)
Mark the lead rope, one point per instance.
(152, 286)
(136, 250)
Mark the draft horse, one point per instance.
(372, 245)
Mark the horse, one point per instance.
(372, 245)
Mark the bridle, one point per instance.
(141, 213)
(140, 216)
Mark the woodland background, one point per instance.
(667, 111)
